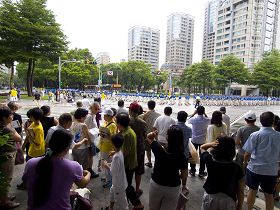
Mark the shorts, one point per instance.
(267, 183)
(140, 169)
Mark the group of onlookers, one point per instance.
(122, 141)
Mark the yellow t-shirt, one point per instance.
(105, 144)
(37, 145)
(13, 93)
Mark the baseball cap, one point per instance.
(134, 106)
(223, 109)
(108, 112)
(250, 116)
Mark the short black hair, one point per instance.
(46, 109)
(114, 111)
(64, 119)
(267, 119)
(168, 110)
(80, 112)
(122, 119)
(4, 112)
(117, 140)
(225, 149)
(182, 116)
(200, 110)
(36, 113)
(151, 104)
(120, 103)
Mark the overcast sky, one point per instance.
(102, 26)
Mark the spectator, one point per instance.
(224, 184)
(162, 124)
(165, 181)
(45, 175)
(85, 102)
(199, 130)
(243, 134)
(149, 117)
(7, 155)
(139, 126)
(47, 122)
(226, 119)
(217, 127)
(262, 154)
(130, 157)
(17, 120)
(121, 108)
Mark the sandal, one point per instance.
(150, 165)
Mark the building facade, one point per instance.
(143, 45)
(179, 41)
(245, 28)
(103, 58)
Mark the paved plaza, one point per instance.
(99, 195)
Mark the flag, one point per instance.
(110, 73)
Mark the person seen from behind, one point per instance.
(216, 128)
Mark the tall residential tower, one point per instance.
(179, 41)
(143, 45)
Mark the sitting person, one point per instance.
(45, 175)
(224, 186)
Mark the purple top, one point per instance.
(65, 172)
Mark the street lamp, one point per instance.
(60, 63)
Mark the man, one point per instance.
(85, 102)
(162, 124)
(226, 119)
(13, 95)
(262, 154)
(130, 156)
(149, 117)
(121, 108)
(139, 126)
(243, 134)
(199, 130)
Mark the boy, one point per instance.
(118, 199)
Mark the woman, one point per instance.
(47, 121)
(45, 175)
(169, 162)
(224, 186)
(7, 156)
(217, 127)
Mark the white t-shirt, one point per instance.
(85, 102)
(162, 124)
(118, 173)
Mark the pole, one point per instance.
(59, 73)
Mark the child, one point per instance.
(118, 199)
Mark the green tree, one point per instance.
(230, 69)
(266, 73)
(160, 78)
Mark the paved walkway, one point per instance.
(100, 196)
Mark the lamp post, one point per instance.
(60, 63)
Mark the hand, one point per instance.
(111, 154)
(214, 143)
(152, 135)
(85, 172)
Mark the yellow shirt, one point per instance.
(13, 93)
(105, 144)
(37, 145)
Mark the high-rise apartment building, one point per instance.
(179, 41)
(103, 58)
(143, 45)
(209, 31)
(245, 28)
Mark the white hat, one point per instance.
(250, 116)
(108, 112)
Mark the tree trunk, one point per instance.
(32, 73)
(12, 76)
(28, 78)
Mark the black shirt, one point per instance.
(19, 119)
(223, 177)
(167, 166)
(47, 123)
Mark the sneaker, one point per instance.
(202, 175)
(192, 173)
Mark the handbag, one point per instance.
(19, 159)
(78, 202)
(194, 156)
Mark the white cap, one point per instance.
(108, 112)
(250, 116)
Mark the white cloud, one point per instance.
(103, 25)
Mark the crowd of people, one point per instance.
(121, 141)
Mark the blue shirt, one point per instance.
(264, 147)
(199, 128)
(187, 133)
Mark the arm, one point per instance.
(55, 121)
(77, 145)
(206, 146)
(247, 157)
(85, 180)
(240, 194)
